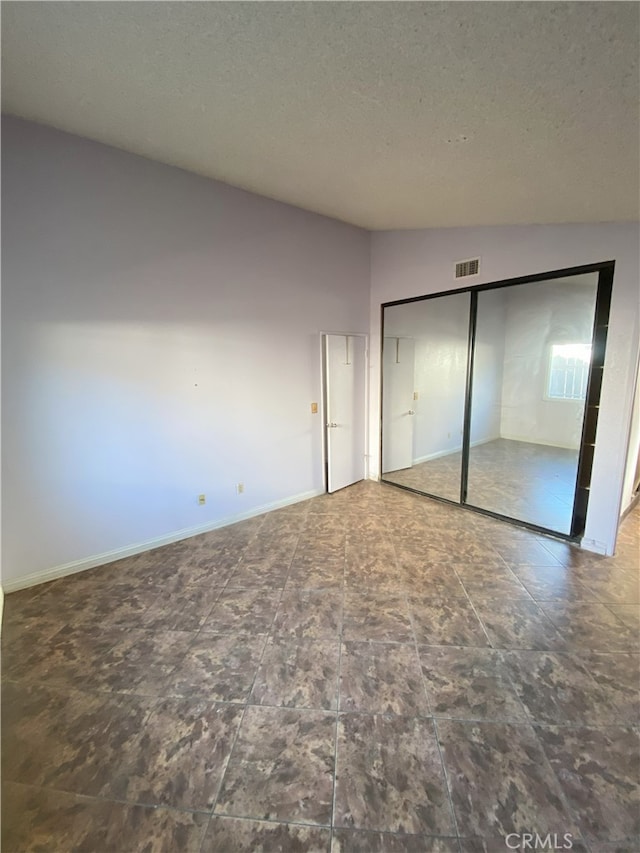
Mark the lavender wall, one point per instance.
(410, 263)
(161, 340)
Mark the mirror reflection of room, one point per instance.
(424, 377)
(531, 367)
(531, 362)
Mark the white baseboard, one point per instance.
(439, 453)
(528, 440)
(594, 546)
(13, 585)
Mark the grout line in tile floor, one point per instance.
(243, 705)
(433, 721)
(338, 699)
(473, 607)
(130, 803)
(445, 773)
(359, 712)
(246, 704)
(564, 799)
(392, 538)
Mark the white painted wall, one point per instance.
(537, 316)
(161, 340)
(488, 368)
(410, 263)
(628, 493)
(440, 330)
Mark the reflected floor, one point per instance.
(530, 482)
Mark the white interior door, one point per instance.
(398, 416)
(345, 383)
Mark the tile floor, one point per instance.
(368, 672)
(531, 482)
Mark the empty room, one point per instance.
(320, 427)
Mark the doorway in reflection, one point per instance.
(485, 393)
(424, 362)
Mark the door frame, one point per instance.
(382, 368)
(323, 402)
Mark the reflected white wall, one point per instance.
(514, 332)
(538, 316)
(440, 330)
(488, 368)
(628, 493)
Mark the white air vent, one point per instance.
(466, 268)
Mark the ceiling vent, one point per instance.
(467, 268)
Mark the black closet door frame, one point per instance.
(605, 271)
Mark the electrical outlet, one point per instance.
(415, 395)
(240, 488)
(202, 499)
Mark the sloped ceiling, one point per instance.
(385, 115)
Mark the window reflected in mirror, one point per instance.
(484, 393)
(530, 373)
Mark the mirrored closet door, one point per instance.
(490, 395)
(424, 365)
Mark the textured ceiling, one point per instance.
(386, 115)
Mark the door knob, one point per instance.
(411, 412)
(332, 425)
